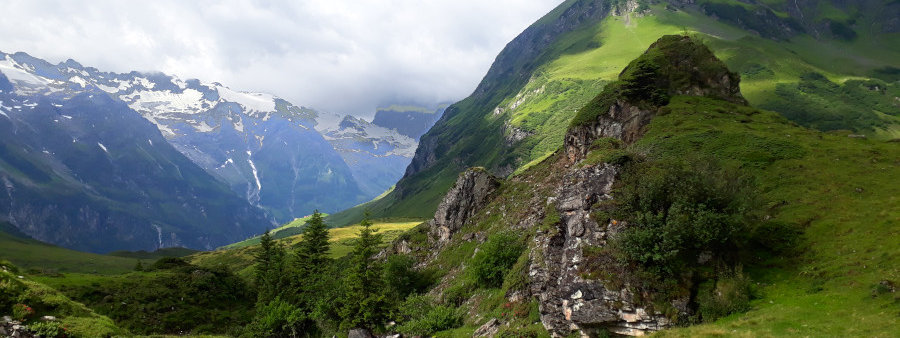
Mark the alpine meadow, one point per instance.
(674, 168)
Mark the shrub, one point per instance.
(421, 318)
(276, 319)
(677, 211)
(166, 263)
(729, 294)
(496, 256)
(401, 278)
(22, 312)
(47, 329)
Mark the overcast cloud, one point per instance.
(336, 55)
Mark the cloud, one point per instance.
(336, 55)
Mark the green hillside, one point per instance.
(73, 318)
(816, 78)
(33, 255)
(834, 277)
(239, 258)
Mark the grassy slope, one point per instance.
(240, 260)
(583, 61)
(843, 189)
(31, 254)
(840, 188)
(287, 230)
(79, 320)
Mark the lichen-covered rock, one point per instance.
(468, 195)
(569, 300)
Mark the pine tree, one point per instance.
(139, 266)
(364, 304)
(269, 274)
(312, 251)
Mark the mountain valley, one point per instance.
(674, 168)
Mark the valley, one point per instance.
(670, 168)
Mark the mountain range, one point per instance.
(282, 160)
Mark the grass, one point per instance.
(291, 228)
(30, 254)
(841, 189)
(79, 320)
(240, 259)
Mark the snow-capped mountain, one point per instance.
(377, 156)
(266, 149)
(80, 169)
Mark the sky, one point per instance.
(344, 56)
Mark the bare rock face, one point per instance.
(468, 195)
(623, 121)
(569, 300)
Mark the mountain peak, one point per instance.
(673, 65)
(678, 65)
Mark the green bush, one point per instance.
(402, 279)
(729, 294)
(419, 317)
(494, 259)
(166, 263)
(276, 319)
(47, 329)
(678, 210)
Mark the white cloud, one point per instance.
(336, 55)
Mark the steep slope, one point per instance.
(796, 58)
(263, 147)
(574, 274)
(83, 171)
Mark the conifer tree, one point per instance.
(364, 304)
(269, 274)
(312, 251)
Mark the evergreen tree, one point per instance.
(269, 274)
(311, 262)
(312, 251)
(364, 304)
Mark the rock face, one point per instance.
(468, 195)
(568, 300)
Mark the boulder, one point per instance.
(464, 200)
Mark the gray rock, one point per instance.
(360, 333)
(489, 329)
(569, 301)
(464, 200)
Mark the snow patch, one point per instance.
(77, 79)
(203, 127)
(250, 101)
(161, 103)
(255, 174)
(17, 73)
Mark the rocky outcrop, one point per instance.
(672, 66)
(623, 121)
(468, 195)
(570, 300)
